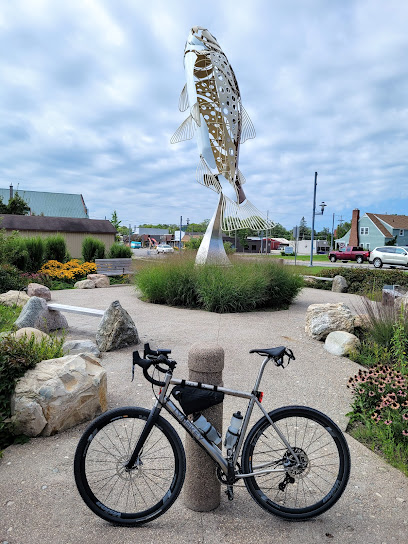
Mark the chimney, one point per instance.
(353, 241)
(11, 191)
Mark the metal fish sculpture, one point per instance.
(220, 122)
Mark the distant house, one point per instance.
(372, 230)
(49, 204)
(74, 230)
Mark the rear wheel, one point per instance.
(294, 490)
(377, 262)
(119, 495)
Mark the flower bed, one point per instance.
(69, 272)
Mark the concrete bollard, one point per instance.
(202, 490)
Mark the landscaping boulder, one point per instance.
(38, 290)
(100, 280)
(14, 297)
(341, 343)
(85, 284)
(28, 332)
(36, 314)
(116, 329)
(339, 284)
(322, 319)
(81, 346)
(58, 394)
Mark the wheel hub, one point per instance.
(128, 473)
(300, 469)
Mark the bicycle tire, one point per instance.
(310, 490)
(129, 498)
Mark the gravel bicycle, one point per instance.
(130, 463)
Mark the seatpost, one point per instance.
(260, 373)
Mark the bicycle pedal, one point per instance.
(230, 493)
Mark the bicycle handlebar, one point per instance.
(153, 358)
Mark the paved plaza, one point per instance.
(39, 503)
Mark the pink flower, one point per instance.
(405, 416)
(371, 394)
(405, 433)
(388, 421)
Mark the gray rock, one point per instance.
(339, 284)
(100, 280)
(38, 290)
(116, 329)
(341, 343)
(58, 394)
(322, 319)
(85, 284)
(36, 314)
(81, 346)
(20, 298)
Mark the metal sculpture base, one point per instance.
(211, 250)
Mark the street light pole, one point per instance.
(322, 206)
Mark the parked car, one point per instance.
(393, 255)
(350, 253)
(164, 248)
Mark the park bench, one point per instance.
(75, 309)
(318, 278)
(114, 267)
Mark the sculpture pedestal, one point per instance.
(211, 250)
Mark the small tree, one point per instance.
(119, 251)
(115, 221)
(36, 251)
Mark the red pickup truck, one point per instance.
(350, 253)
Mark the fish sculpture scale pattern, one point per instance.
(221, 124)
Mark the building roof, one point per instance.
(394, 221)
(56, 224)
(375, 219)
(50, 204)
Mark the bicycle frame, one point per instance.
(214, 452)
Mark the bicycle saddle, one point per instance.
(270, 352)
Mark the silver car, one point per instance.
(392, 255)
(164, 248)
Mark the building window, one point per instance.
(368, 245)
(363, 230)
(401, 233)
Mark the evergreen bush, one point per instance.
(36, 250)
(92, 249)
(119, 251)
(55, 248)
(10, 279)
(362, 281)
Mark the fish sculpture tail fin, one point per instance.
(243, 216)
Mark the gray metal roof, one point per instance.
(50, 204)
(56, 224)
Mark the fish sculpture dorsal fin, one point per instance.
(183, 100)
(247, 130)
(195, 112)
(185, 131)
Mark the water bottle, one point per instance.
(231, 436)
(207, 429)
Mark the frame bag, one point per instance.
(193, 399)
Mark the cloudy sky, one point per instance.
(89, 101)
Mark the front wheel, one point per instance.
(359, 259)
(284, 487)
(333, 258)
(115, 493)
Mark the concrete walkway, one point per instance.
(39, 503)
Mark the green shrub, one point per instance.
(229, 250)
(119, 251)
(92, 249)
(10, 278)
(55, 248)
(8, 314)
(241, 287)
(16, 357)
(362, 281)
(36, 251)
(19, 257)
